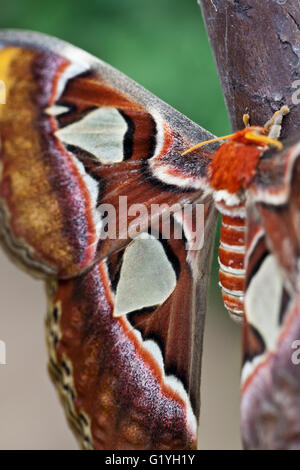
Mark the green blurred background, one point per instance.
(162, 45)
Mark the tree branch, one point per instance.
(257, 50)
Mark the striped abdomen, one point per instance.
(231, 260)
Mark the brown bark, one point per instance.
(256, 44)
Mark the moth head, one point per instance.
(234, 164)
(256, 135)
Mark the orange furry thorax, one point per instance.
(234, 163)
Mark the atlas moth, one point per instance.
(126, 317)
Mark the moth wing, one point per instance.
(271, 374)
(76, 136)
(125, 341)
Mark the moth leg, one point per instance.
(273, 125)
(246, 120)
